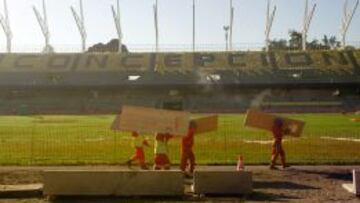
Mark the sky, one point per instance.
(175, 22)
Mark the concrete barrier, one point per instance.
(222, 182)
(113, 183)
(356, 180)
(355, 186)
(21, 191)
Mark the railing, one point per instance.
(71, 48)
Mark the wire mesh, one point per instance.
(69, 140)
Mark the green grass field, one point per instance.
(55, 140)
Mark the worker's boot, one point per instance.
(128, 163)
(273, 167)
(144, 167)
(273, 163)
(283, 163)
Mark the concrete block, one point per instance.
(348, 187)
(356, 182)
(21, 191)
(223, 182)
(113, 183)
(355, 186)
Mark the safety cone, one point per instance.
(240, 164)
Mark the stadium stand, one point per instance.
(93, 83)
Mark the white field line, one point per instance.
(341, 139)
(101, 139)
(95, 139)
(262, 142)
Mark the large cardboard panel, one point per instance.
(223, 182)
(265, 121)
(206, 124)
(113, 183)
(149, 120)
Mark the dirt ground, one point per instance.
(296, 184)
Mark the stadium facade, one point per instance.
(99, 83)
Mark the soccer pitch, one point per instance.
(73, 140)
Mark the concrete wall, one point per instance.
(114, 183)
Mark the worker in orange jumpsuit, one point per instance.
(138, 142)
(187, 154)
(161, 159)
(278, 131)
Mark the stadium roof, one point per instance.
(203, 68)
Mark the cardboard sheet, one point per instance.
(206, 124)
(150, 120)
(265, 121)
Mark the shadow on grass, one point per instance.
(282, 185)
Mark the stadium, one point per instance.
(98, 83)
(57, 108)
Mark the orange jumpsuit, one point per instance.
(277, 149)
(139, 142)
(187, 154)
(161, 159)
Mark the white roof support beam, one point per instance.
(346, 21)
(80, 22)
(231, 25)
(5, 24)
(156, 24)
(269, 23)
(43, 23)
(307, 22)
(194, 26)
(116, 16)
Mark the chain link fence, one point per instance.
(77, 140)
